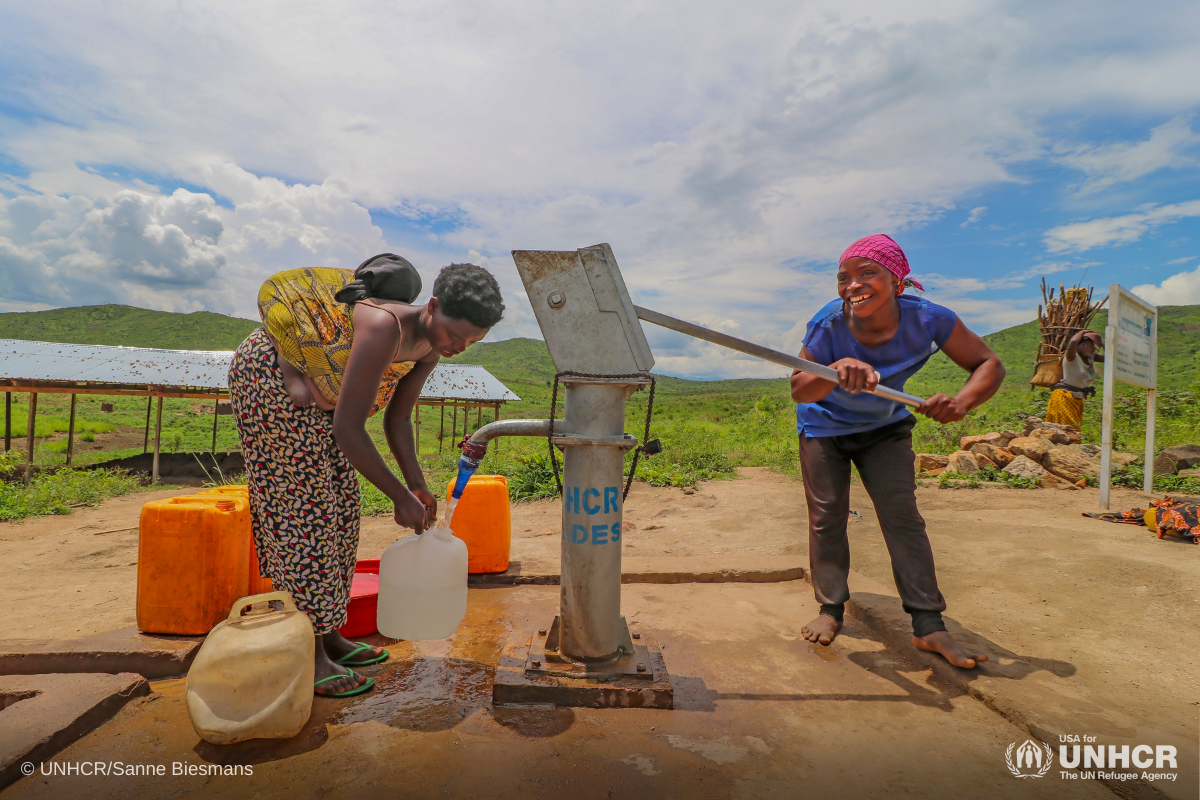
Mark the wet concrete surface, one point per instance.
(759, 713)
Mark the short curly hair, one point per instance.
(468, 292)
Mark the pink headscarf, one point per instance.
(883, 250)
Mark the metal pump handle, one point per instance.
(765, 353)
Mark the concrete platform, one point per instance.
(759, 713)
(42, 714)
(150, 655)
(660, 569)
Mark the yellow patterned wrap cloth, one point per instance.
(1065, 409)
(314, 332)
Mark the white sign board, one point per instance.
(1130, 356)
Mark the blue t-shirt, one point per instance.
(924, 329)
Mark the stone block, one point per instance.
(1121, 459)
(962, 463)
(985, 463)
(1006, 437)
(967, 442)
(1051, 435)
(1185, 456)
(993, 453)
(1165, 465)
(1034, 448)
(1052, 481)
(1025, 467)
(928, 461)
(1189, 473)
(1069, 465)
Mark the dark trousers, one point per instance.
(884, 458)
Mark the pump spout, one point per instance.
(474, 447)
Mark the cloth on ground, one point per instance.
(1166, 516)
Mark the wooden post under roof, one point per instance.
(7, 421)
(157, 442)
(32, 423)
(146, 441)
(442, 429)
(216, 416)
(71, 431)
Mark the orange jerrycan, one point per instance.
(483, 520)
(259, 583)
(193, 562)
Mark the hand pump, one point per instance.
(595, 339)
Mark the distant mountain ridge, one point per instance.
(127, 326)
(527, 361)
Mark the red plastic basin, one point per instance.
(364, 600)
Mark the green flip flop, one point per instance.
(366, 687)
(346, 662)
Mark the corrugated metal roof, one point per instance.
(54, 361)
(465, 382)
(193, 369)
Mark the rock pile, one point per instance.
(1046, 451)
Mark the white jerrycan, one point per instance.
(253, 676)
(423, 586)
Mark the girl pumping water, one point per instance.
(875, 334)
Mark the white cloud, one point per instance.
(1176, 261)
(180, 252)
(975, 215)
(1110, 231)
(1181, 289)
(1109, 164)
(727, 152)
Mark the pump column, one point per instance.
(591, 627)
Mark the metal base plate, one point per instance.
(514, 685)
(545, 659)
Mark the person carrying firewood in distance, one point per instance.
(1078, 375)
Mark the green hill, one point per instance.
(128, 327)
(1178, 353)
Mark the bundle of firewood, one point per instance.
(1064, 315)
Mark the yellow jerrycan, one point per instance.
(253, 677)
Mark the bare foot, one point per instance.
(950, 648)
(824, 629)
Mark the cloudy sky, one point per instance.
(173, 155)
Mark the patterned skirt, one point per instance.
(304, 496)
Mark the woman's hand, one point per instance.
(410, 512)
(943, 408)
(855, 376)
(426, 497)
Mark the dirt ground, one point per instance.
(1108, 606)
(759, 713)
